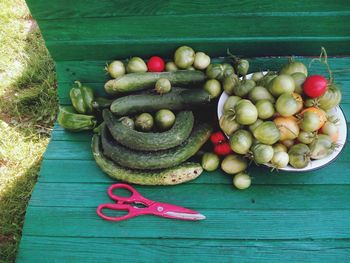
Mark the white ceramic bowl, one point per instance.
(314, 164)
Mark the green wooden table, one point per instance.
(282, 217)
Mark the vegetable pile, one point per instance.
(151, 124)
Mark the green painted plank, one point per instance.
(86, 171)
(273, 35)
(110, 8)
(68, 150)
(150, 28)
(242, 45)
(219, 224)
(78, 150)
(190, 195)
(63, 135)
(51, 249)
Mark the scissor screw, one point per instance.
(160, 208)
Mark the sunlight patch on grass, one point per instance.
(28, 108)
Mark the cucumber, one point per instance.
(176, 175)
(154, 160)
(150, 141)
(176, 99)
(101, 103)
(146, 80)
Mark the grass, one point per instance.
(28, 106)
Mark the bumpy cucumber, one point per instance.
(155, 160)
(171, 176)
(177, 99)
(150, 141)
(146, 80)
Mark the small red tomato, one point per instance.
(315, 86)
(222, 149)
(155, 64)
(217, 137)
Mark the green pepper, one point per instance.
(69, 119)
(82, 98)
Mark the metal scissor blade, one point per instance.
(185, 216)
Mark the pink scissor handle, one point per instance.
(135, 197)
(131, 212)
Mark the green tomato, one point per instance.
(233, 164)
(257, 76)
(299, 155)
(244, 87)
(281, 84)
(299, 79)
(288, 104)
(144, 122)
(253, 126)
(242, 181)
(265, 109)
(230, 104)
(265, 81)
(280, 159)
(184, 57)
(262, 153)
(213, 87)
(294, 67)
(288, 143)
(128, 122)
(245, 112)
(229, 83)
(228, 125)
(310, 122)
(165, 119)
(116, 69)
(331, 98)
(279, 147)
(306, 137)
(171, 66)
(267, 133)
(329, 128)
(201, 60)
(163, 86)
(260, 93)
(322, 146)
(136, 64)
(219, 71)
(241, 141)
(243, 67)
(210, 162)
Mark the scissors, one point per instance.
(150, 207)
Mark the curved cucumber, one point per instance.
(177, 99)
(150, 141)
(146, 80)
(175, 175)
(155, 160)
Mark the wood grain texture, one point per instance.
(147, 35)
(192, 195)
(86, 171)
(67, 9)
(219, 224)
(92, 250)
(80, 150)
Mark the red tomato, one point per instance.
(155, 64)
(222, 149)
(217, 137)
(315, 86)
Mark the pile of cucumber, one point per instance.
(149, 132)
